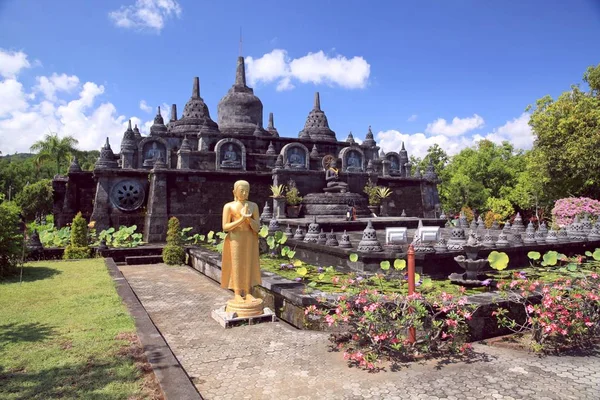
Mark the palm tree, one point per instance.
(54, 148)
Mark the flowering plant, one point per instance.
(565, 312)
(566, 209)
(377, 325)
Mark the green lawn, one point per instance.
(64, 333)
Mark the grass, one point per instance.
(64, 333)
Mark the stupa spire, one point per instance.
(196, 88)
(317, 105)
(240, 72)
(271, 124)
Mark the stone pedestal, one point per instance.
(334, 204)
(245, 309)
(279, 207)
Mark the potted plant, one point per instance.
(293, 200)
(277, 193)
(372, 193)
(384, 193)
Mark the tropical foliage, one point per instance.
(36, 200)
(11, 238)
(55, 148)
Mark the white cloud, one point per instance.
(12, 62)
(412, 118)
(146, 14)
(68, 107)
(313, 68)
(517, 131)
(416, 144)
(56, 83)
(12, 97)
(145, 107)
(457, 127)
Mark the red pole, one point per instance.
(410, 255)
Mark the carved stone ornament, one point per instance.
(327, 160)
(127, 195)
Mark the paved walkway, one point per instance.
(276, 361)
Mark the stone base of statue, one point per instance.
(230, 319)
(251, 307)
(334, 204)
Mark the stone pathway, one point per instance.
(276, 361)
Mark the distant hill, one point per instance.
(17, 156)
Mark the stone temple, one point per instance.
(186, 168)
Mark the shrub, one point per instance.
(292, 196)
(468, 213)
(490, 217)
(78, 248)
(11, 238)
(566, 209)
(173, 253)
(502, 207)
(566, 315)
(377, 325)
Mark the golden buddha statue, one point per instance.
(240, 267)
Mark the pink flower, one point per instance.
(530, 309)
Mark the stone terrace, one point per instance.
(275, 361)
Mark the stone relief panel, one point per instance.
(295, 156)
(353, 159)
(394, 159)
(231, 154)
(150, 149)
(127, 195)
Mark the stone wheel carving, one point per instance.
(127, 195)
(327, 160)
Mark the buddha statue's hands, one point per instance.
(245, 213)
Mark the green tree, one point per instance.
(439, 158)
(436, 154)
(35, 200)
(54, 148)
(567, 132)
(11, 238)
(479, 172)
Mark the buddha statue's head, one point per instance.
(241, 190)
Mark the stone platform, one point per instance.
(334, 204)
(339, 223)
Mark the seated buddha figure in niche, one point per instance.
(296, 159)
(353, 162)
(230, 158)
(153, 154)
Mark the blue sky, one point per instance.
(446, 72)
